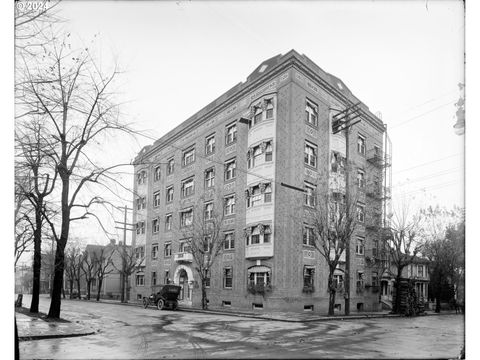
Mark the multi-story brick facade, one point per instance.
(238, 153)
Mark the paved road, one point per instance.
(126, 332)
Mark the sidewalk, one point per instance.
(30, 328)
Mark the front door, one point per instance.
(185, 292)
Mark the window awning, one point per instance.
(259, 269)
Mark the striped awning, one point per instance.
(259, 269)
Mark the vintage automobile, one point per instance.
(163, 296)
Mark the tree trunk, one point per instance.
(63, 291)
(70, 282)
(123, 297)
(204, 294)
(100, 281)
(78, 288)
(55, 304)
(89, 282)
(437, 303)
(332, 293)
(396, 304)
(37, 257)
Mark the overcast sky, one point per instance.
(403, 59)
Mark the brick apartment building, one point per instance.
(236, 154)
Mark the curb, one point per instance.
(52, 336)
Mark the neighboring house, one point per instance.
(418, 272)
(278, 127)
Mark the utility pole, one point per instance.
(123, 277)
(344, 121)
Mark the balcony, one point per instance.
(378, 158)
(258, 251)
(183, 257)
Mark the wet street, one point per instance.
(129, 332)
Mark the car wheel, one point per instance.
(160, 304)
(145, 303)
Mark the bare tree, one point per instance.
(204, 241)
(104, 266)
(23, 228)
(72, 95)
(403, 242)
(73, 261)
(88, 265)
(130, 261)
(36, 183)
(334, 218)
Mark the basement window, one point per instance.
(257, 306)
(308, 308)
(226, 303)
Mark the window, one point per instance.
(227, 277)
(338, 280)
(210, 145)
(374, 278)
(375, 248)
(142, 177)
(139, 252)
(188, 187)
(258, 115)
(360, 279)
(360, 246)
(269, 113)
(154, 251)
(188, 157)
(141, 203)
(310, 157)
(308, 236)
(154, 278)
(268, 193)
(255, 197)
(186, 217)
(155, 226)
(309, 195)
(230, 204)
(208, 211)
(169, 192)
(166, 279)
(361, 145)
(230, 169)
(420, 270)
(259, 234)
(156, 173)
(229, 241)
(210, 177)
(140, 280)
(311, 113)
(231, 134)
(156, 199)
(360, 178)
(361, 213)
(167, 250)
(140, 227)
(184, 245)
(259, 278)
(168, 222)
(308, 273)
(337, 162)
(170, 166)
(268, 151)
(207, 244)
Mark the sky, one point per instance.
(402, 59)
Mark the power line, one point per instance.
(420, 115)
(440, 173)
(426, 163)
